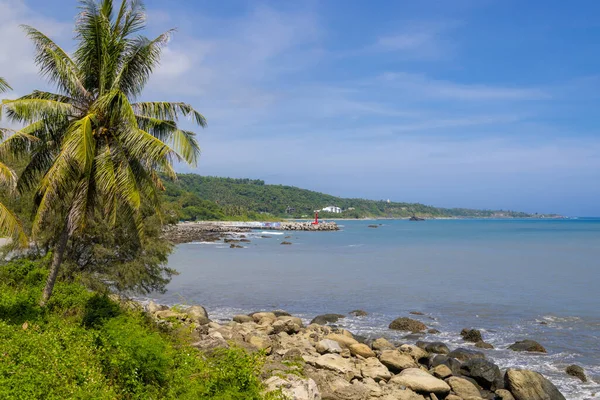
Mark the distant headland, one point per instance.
(193, 198)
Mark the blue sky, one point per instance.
(486, 104)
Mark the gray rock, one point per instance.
(483, 345)
(242, 318)
(463, 354)
(471, 335)
(293, 387)
(436, 348)
(530, 385)
(452, 363)
(407, 324)
(577, 372)
(326, 318)
(328, 346)
(484, 372)
(358, 313)
(528, 345)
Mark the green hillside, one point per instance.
(198, 197)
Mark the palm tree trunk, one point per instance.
(57, 258)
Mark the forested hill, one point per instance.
(199, 197)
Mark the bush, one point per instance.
(84, 345)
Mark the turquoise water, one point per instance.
(502, 276)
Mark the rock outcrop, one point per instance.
(318, 362)
(528, 345)
(407, 324)
(530, 385)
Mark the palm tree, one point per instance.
(9, 223)
(99, 151)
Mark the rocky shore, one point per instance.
(320, 361)
(210, 231)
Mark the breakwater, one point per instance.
(209, 231)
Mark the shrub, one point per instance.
(84, 345)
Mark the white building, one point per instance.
(332, 209)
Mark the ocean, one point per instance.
(513, 279)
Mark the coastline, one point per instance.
(319, 356)
(301, 278)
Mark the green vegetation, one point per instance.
(10, 225)
(84, 345)
(227, 198)
(91, 152)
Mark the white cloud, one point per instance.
(435, 88)
(16, 51)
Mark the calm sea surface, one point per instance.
(502, 276)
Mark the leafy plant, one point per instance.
(92, 151)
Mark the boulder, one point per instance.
(453, 397)
(336, 363)
(152, 307)
(289, 325)
(328, 346)
(471, 335)
(463, 387)
(397, 361)
(440, 359)
(414, 351)
(382, 344)
(293, 387)
(435, 347)
(577, 372)
(433, 331)
(170, 314)
(463, 354)
(242, 318)
(483, 345)
(484, 372)
(342, 339)
(503, 394)
(407, 324)
(326, 318)
(420, 381)
(528, 345)
(358, 313)
(361, 349)
(263, 317)
(330, 384)
(416, 313)
(374, 369)
(441, 371)
(530, 385)
(261, 342)
(281, 313)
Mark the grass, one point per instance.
(85, 346)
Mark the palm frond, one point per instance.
(168, 111)
(181, 141)
(7, 176)
(12, 227)
(131, 18)
(4, 86)
(56, 64)
(31, 110)
(142, 56)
